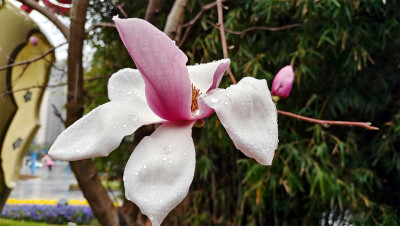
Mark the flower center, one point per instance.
(195, 98)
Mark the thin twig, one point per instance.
(254, 28)
(102, 25)
(223, 38)
(31, 60)
(122, 9)
(58, 114)
(48, 86)
(366, 125)
(190, 24)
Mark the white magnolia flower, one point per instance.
(164, 90)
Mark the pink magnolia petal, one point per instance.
(160, 170)
(162, 65)
(249, 115)
(101, 131)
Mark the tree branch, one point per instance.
(223, 38)
(173, 27)
(58, 114)
(31, 60)
(366, 125)
(102, 25)
(190, 24)
(84, 170)
(153, 11)
(49, 15)
(48, 86)
(119, 6)
(255, 28)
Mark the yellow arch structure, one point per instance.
(19, 101)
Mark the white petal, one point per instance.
(160, 170)
(249, 116)
(101, 131)
(126, 84)
(209, 75)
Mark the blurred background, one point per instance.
(345, 55)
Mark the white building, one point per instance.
(51, 125)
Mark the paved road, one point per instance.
(48, 185)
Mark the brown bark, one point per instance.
(153, 11)
(84, 170)
(173, 27)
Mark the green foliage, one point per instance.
(345, 55)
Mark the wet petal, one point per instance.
(101, 131)
(160, 170)
(208, 76)
(162, 65)
(249, 115)
(126, 84)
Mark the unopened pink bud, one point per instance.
(283, 82)
(33, 40)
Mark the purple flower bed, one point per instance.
(59, 214)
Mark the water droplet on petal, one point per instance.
(124, 126)
(226, 103)
(134, 118)
(185, 153)
(170, 161)
(144, 166)
(114, 127)
(161, 200)
(129, 92)
(214, 100)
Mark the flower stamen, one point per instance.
(195, 98)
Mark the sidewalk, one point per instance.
(52, 184)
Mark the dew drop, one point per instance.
(144, 166)
(129, 92)
(214, 100)
(185, 153)
(114, 127)
(134, 118)
(226, 103)
(170, 161)
(124, 126)
(173, 42)
(161, 200)
(165, 158)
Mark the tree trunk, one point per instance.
(84, 170)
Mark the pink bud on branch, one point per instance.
(283, 82)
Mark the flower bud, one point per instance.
(33, 40)
(283, 82)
